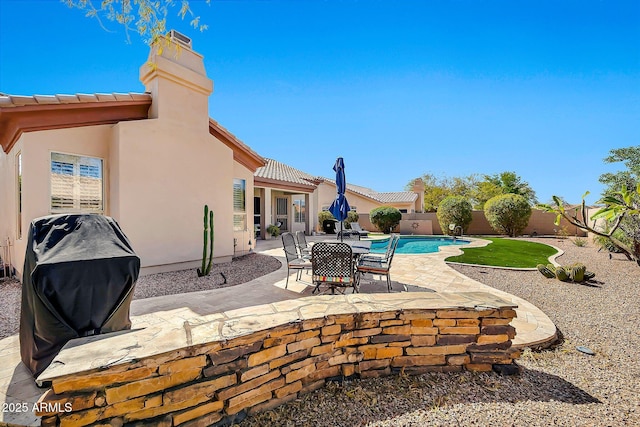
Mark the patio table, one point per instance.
(359, 247)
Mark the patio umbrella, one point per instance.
(340, 206)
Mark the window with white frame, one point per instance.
(76, 184)
(299, 210)
(239, 205)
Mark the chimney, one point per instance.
(418, 188)
(174, 74)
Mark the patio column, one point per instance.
(307, 214)
(266, 217)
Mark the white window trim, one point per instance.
(104, 184)
(239, 213)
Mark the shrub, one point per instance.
(385, 218)
(508, 213)
(273, 230)
(454, 210)
(352, 216)
(580, 242)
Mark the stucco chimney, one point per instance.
(174, 74)
(418, 188)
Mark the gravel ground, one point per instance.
(558, 386)
(240, 270)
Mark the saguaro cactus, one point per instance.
(208, 238)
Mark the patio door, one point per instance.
(282, 212)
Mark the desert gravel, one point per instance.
(557, 386)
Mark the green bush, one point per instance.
(385, 218)
(352, 216)
(454, 210)
(273, 230)
(508, 213)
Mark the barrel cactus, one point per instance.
(546, 271)
(576, 272)
(561, 274)
(588, 275)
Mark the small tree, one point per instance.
(385, 218)
(454, 210)
(622, 205)
(508, 213)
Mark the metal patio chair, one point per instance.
(380, 267)
(333, 265)
(390, 246)
(294, 260)
(303, 246)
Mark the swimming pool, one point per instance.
(417, 244)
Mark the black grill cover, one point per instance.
(78, 279)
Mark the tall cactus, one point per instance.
(208, 238)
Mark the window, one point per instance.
(299, 213)
(239, 205)
(76, 184)
(19, 195)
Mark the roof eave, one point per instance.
(241, 151)
(16, 120)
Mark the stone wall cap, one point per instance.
(101, 351)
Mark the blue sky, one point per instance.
(398, 88)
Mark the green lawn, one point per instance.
(506, 253)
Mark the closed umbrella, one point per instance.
(340, 206)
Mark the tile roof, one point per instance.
(22, 101)
(278, 171)
(21, 113)
(387, 197)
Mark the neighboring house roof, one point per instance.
(279, 175)
(386, 197)
(20, 114)
(242, 153)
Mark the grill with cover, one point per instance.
(78, 280)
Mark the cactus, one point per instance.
(546, 272)
(588, 275)
(208, 238)
(576, 272)
(561, 274)
(552, 268)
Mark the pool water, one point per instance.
(417, 244)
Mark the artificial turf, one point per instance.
(506, 253)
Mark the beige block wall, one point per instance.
(542, 223)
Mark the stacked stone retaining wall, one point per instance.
(224, 380)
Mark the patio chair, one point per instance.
(380, 267)
(294, 259)
(390, 245)
(348, 235)
(356, 227)
(332, 265)
(303, 246)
